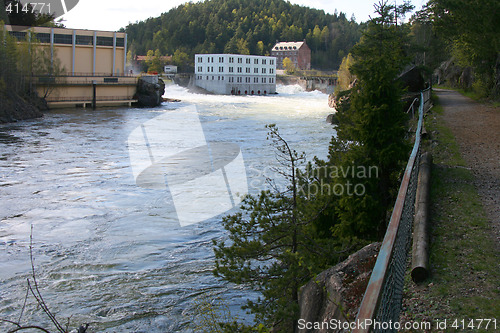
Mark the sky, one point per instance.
(112, 15)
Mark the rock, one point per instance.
(331, 119)
(454, 75)
(336, 293)
(150, 90)
(331, 100)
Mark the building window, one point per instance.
(256, 61)
(263, 71)
(200, 59)
(200, 69)
(256, 70)
(271, 70)
(212, 59)
(255, 80)
(104, 41)
(43, 37)
(248, 60)
(240, 60)
(83, 40)
(240, 70)
(231, 60)
(221, 69)
(231, 70)
(271, 61)
(120, 42)
(21, 35)
(263, 80)
(264, 61)
(247, 70)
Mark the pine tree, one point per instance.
(371, 131)
(272, 244)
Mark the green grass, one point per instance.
(465, 274)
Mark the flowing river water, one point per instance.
(107, 251)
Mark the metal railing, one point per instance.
(88, 99)
(382, 301)
(62, 82)
(88, 74)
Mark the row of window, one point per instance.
(68, 39)
(239, 60)
(239, 70)
(238, 79)
(285, 53)
(285, 47)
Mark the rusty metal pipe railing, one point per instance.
(382, 299)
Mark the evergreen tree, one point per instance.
(273, 245)
(371, 131)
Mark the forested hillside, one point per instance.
(245, 27)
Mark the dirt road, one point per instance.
(476, 128)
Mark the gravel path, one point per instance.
(476, 128)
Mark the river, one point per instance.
(110, 252)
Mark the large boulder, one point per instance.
(449, 72)
(150, 90)
(336, 294)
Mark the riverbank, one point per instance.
(464, 253)
(14, 108)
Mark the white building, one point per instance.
(236, 74)
(170, 69)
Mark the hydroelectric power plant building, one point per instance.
(92, 66)
(236, 74)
